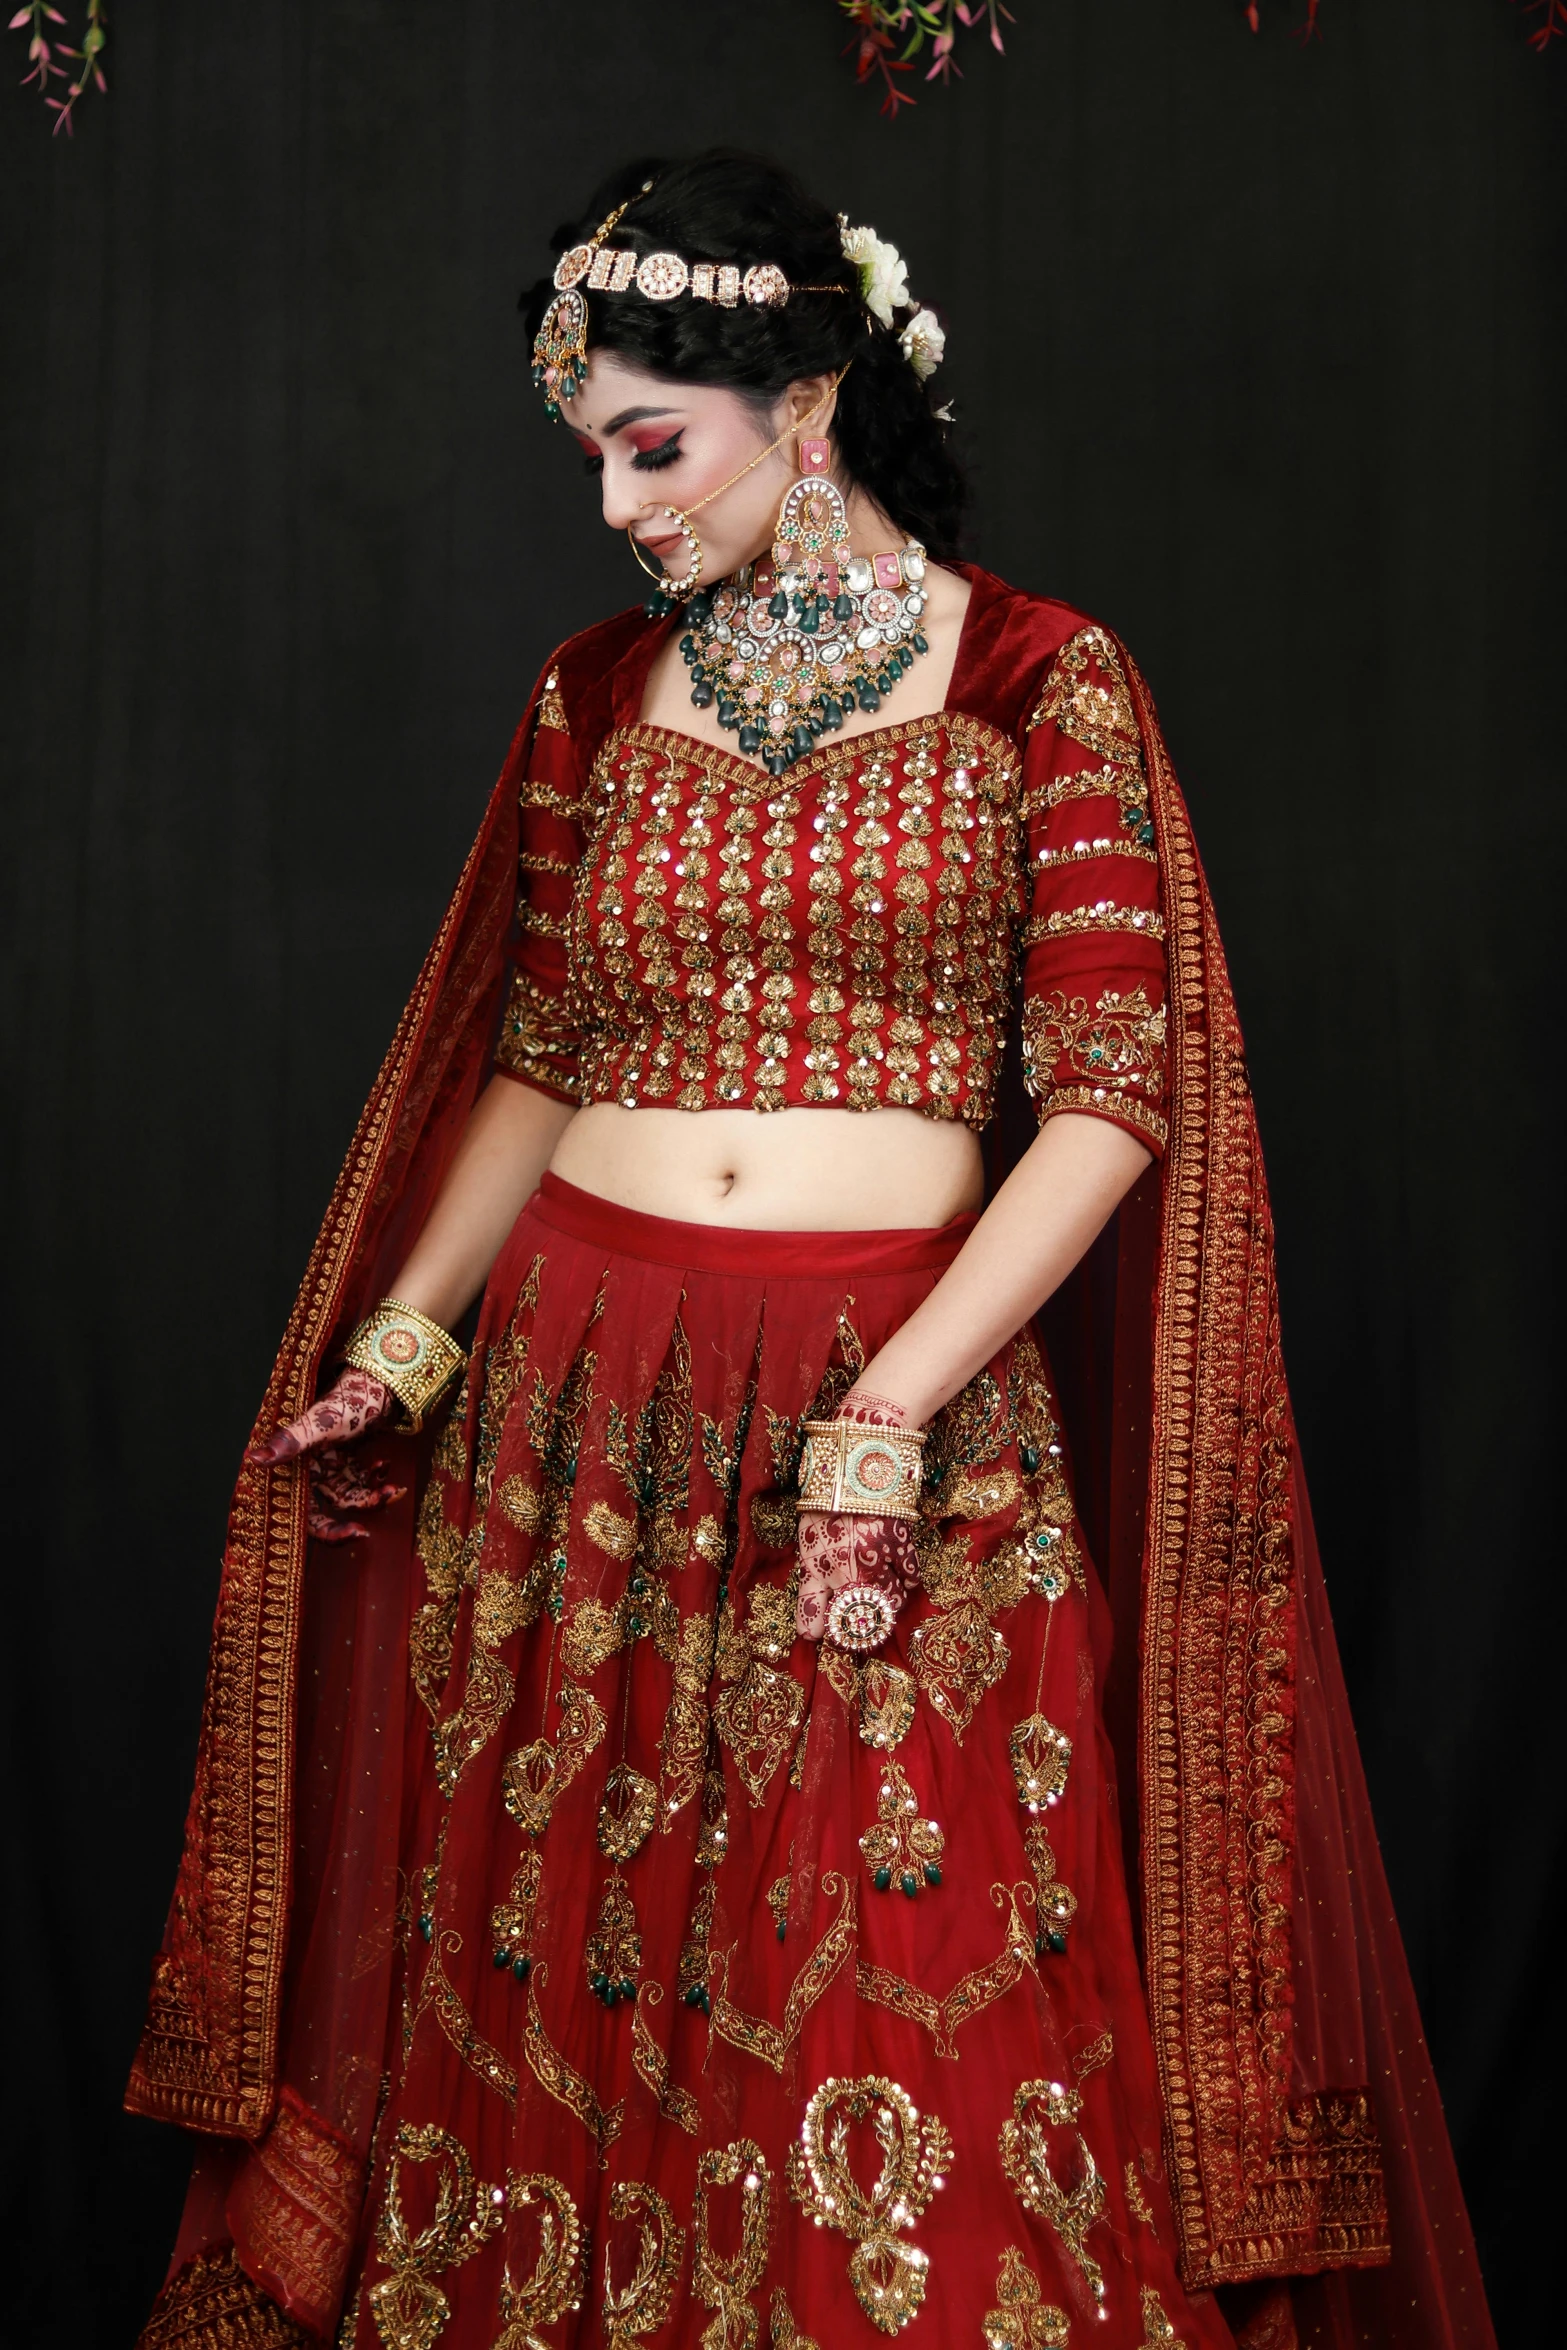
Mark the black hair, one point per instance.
(729, 206)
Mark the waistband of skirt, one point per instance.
(723, 1248)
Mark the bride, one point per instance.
(775, 1790)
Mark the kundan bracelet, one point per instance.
(859, 1472)
(408, 1353)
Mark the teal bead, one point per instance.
(693, 1995)
(932, 1873)
(521, 1968)
(919, 643)
(502, 1958)
(635, 1626)
(427, 1927)
(1028, 1454)
(598, 1984)
(782, 1928)
(909, 1883)
(628, 1989)
(779, 606)
(882, 1879)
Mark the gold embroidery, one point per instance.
(957, 1658)
(560, 2274)
(969, 1996)
(758, 1719)
(593, 1634)
(552, 710)
(1116, 1047)
(627, 1814)
(726, 2284)
(408, 2306)
(1087, 696)
(784, 2333)
(523, 1504)
(1055, 1904)
(889, 2277)
(1041, 1757)
(439, 1992)
(560, 2080)
(210, 2300)
(1103, 915)
(534, 1776)
(1024, 2319)
(610, 1530)
(901, 1847)
(772, 2042)
(1136, 2201)
(1025, 2157)
(888, 1699)
(641, 2305)
(651, 2061)
(612, 1954)
(1158, 2333)
(511, 1921)
(539, 1037)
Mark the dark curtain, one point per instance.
(1258, 352)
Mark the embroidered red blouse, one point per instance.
(696, 934)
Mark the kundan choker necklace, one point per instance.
(788, 653)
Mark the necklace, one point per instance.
(787, 654)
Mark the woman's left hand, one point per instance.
(838, 1551)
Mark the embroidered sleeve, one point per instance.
(540, 1040)
(1093, 936)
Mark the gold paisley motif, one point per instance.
(889, 1698)
(758, 1719)
(957, 1658)
(438, 1993)
(888, 2276)
(726, 2284)
(559, 2277)
(1025, 2157)
(639, 2307)
(409, 2308)
(534, 1776)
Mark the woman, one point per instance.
(655, 1872)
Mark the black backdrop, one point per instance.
(1259, 354)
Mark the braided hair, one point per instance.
(729, 206)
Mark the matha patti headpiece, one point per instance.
(560, 348)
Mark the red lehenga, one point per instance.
(562, 1951)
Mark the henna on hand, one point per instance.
(339, 1484)
(354, 1402)
(871, 1411)
(837, 1551)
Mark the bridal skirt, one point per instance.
(749, 1995)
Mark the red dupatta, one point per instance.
(1300, 2112)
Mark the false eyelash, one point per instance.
(654, 460)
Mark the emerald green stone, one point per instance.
(882, 1879)
(909, 1883)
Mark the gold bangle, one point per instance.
(860, 1472)
(408, 1353)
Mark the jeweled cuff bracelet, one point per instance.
(408, 1353)
(859, 1472)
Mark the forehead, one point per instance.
(613, 385)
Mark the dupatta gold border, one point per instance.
(1261, 2187)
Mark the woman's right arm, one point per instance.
(506, 1146)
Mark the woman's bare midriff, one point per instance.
(797, 1170)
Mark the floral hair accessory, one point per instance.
(884, 289)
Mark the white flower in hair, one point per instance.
(923, 343)
(884, 276)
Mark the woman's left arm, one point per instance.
(1051, 1208)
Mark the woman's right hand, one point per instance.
(355, 1403)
